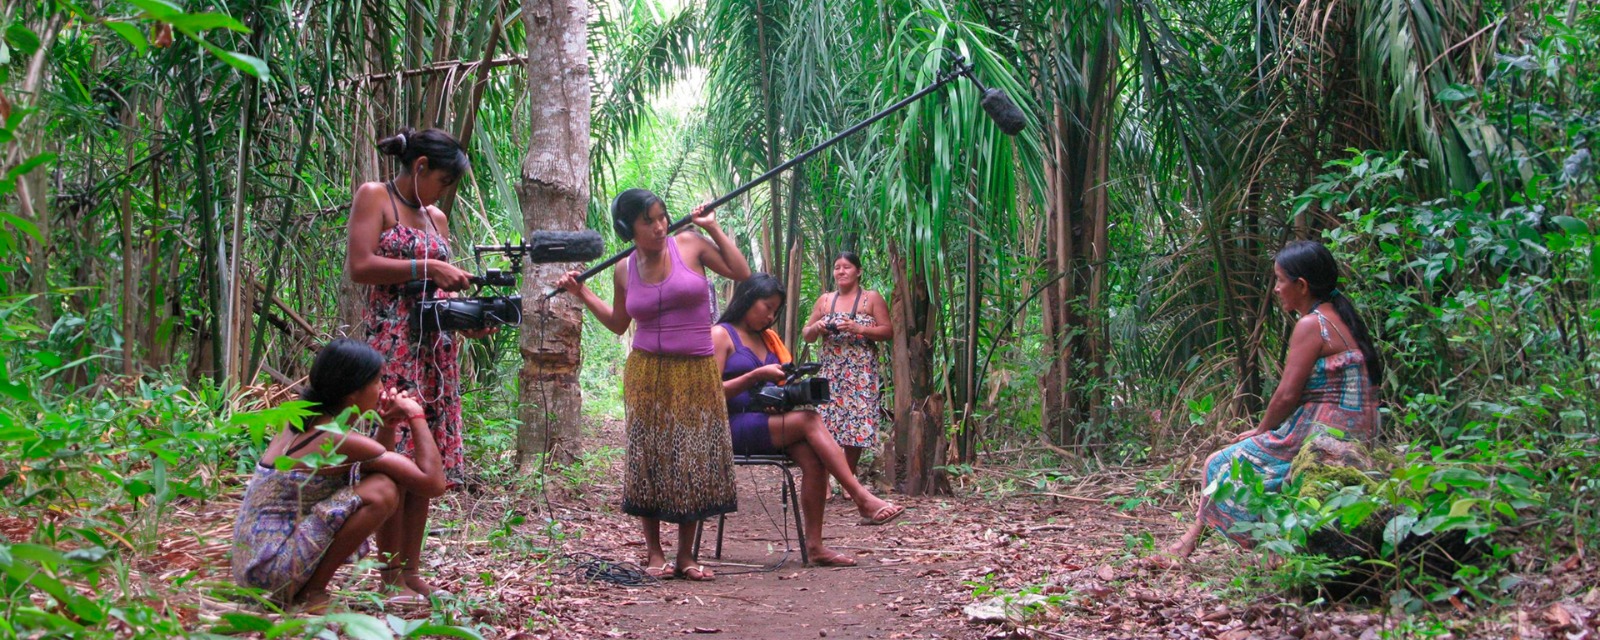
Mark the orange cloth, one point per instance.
(775, 345)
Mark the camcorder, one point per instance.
(800, 388)
(487, 309)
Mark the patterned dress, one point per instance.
(427, 364)
(286, 522)
(1338, 395)
(850, 363)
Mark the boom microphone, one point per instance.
(551, 246)
(1003, 111)
(996, 104)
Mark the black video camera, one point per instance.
(473, 313)
(801, 388)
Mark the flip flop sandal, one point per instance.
(879, 518)
(666, 570)
(696, 573)
(406, 601)
(835, 560)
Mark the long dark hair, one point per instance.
(1309, 260)
(341, 368)
(440, 148)
(758, 286)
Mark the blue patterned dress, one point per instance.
(1338, 395)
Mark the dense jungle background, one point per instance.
(1082, 312)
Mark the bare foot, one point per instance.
(314, 603)
(1172, 555)
(415, 583)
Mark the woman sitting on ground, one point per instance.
(749, 354)
(1330, 377)
(298, 523)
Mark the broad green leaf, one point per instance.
(198, 22)
(131, 33)
(359, 626)
(244, 622)
(158, 9)
(23, 38)
(30, 164)
(1397, 529)
(245, 63)
(435, 630)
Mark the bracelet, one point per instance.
(413, 268)
(414, 416)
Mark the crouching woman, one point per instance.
(299, 522)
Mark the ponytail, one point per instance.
(1313, 263)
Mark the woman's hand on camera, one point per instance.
(769, 373)
(398, 406)
(448, 276)
(475, 334)
(703, 217)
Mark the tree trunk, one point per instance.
(919, 442)
(554, 194)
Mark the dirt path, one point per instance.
(1076, 557)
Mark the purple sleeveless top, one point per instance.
(674, 316)
(741, 361)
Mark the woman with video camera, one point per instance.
(679, 458)
(751, 355)
(855, 319)
(396, 236)
(299, 522)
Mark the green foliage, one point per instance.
(96, 472)
(1426, 533)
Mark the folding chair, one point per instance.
(791, 503)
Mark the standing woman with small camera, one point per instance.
(850, 320)
(396, 236)
(679, 455)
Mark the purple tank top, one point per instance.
(673, 316)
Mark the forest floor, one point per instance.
(1075, 558)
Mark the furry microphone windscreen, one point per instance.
(1003, 111)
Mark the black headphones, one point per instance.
(623, 228)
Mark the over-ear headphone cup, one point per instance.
(622, 229)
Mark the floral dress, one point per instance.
(426, 364)
(1338, 395)
(850, 363)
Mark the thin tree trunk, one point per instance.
(775, 245)
(791, 270)
(437, 98)
(233, 337)
(128, 262)
(212, 250)
(554, 194)
(32, 192)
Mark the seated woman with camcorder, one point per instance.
(764, 421)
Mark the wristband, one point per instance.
(414, 416)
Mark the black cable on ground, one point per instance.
(589, 567)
